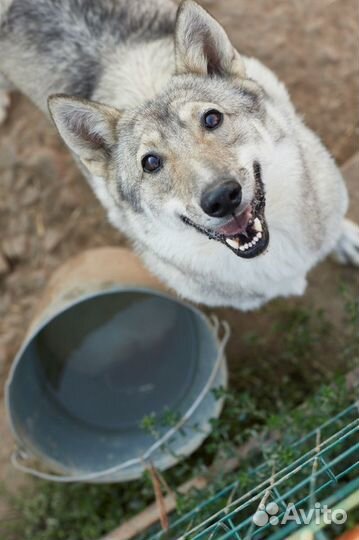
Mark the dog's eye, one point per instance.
(212, 119)
(151, 163)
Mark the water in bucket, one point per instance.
(111, 361)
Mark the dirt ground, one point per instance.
(48, 213)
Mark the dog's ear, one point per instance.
(88, 129)
(202, 46)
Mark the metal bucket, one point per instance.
(107, 348)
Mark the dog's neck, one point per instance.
(136, 74)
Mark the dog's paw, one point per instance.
(4, 104)
(347, 249)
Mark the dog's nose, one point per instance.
(222, 200)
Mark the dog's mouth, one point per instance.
(245, 234)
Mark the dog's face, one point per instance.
(189, 158)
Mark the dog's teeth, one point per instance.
(233, 243)
(248, 245)
(258, 225)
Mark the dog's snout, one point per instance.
(222, 200)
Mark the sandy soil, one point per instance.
(47, 212)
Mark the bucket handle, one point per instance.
(19, 457)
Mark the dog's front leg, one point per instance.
(347, 248)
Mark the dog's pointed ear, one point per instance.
(202, 46)
(88, 129)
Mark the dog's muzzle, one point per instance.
(245, 234)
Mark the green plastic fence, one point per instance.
(323, 471)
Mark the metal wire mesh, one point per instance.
(322, 470)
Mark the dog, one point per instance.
(195, 150)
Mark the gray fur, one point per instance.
(73, 37)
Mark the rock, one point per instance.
(30, 196)
(3, 359)
(4, 266)
(15, 247)
(70, 197)
(8, 157)
(53, 238)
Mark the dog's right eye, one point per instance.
(151, 163)
(212, 119)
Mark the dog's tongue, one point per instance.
(238, 224)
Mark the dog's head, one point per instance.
(189, 158)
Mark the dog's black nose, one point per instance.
(222, 200)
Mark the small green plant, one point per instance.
(149, 423)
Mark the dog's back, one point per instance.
(71, 38)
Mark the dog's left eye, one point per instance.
(151, 163)
(212, 119)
